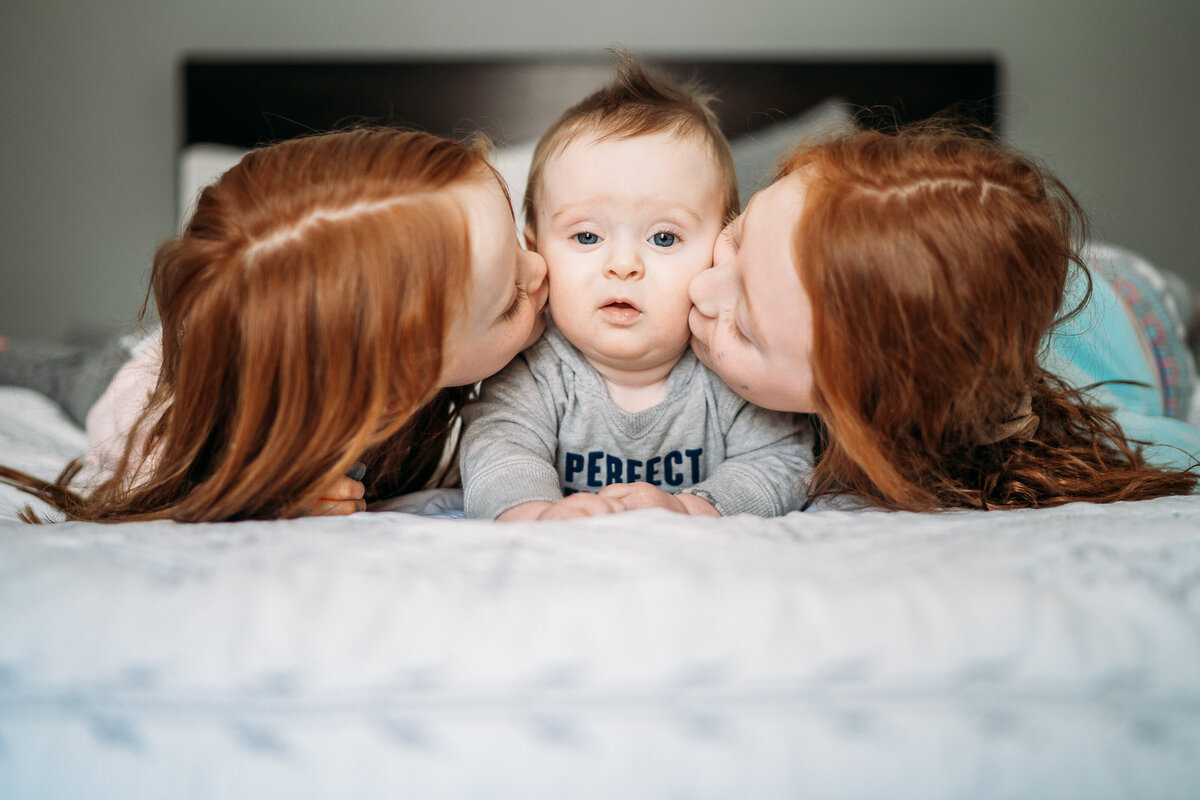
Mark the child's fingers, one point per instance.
(337, 508)
(345, 496)
(582, 504)
(345, 488)
(641, 495)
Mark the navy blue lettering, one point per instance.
(593, 468)
(672, 477)
(612, 472)
(573, 466)
(598, 469)
(652, 471)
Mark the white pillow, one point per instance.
(756, 155)
(513, 164)
(200, 165)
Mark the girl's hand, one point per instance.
(344, 497)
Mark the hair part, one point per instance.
(936, 261)
(637, 102)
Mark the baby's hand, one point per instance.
(582, 504)
(645, 495)
(642, 495)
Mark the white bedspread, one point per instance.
(1017, 654)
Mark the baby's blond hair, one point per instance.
(636, 103)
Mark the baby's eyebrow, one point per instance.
(577, 207)
(582, 207)
(696, 218)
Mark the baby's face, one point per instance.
(624, 226)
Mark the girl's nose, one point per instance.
(705, 290)
(535, 271)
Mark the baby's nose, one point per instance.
(624, 266)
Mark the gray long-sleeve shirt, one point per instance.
(545, 426)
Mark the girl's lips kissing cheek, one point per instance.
(621, 312)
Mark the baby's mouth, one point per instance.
(621, 311)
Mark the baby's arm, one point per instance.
(769, 455)
(509, 441)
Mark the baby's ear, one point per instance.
(530, 239)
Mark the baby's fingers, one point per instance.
(641, 495)
(582, 504)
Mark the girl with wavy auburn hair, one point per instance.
(922, 294)
(322, 305)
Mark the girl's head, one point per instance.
(899, 286)
(324, 292)
(935, 263)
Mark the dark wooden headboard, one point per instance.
(248, 101)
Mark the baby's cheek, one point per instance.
(560, 294)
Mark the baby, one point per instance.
(627, 195)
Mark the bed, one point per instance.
(399, 653)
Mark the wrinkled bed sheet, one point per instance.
(1051, 653)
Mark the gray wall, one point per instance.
(1102, 91)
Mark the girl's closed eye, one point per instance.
(736, 328)
(515, 306)
(586, 238)
(739, 323)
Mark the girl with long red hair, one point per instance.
(923, 294)
(331, 301)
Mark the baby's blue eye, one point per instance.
(663, 239)
(587, 237)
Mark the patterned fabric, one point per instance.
(1157, 302)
